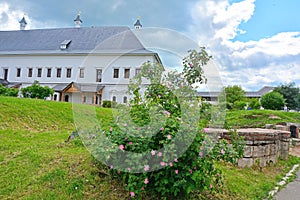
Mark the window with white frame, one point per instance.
(18, 72)
(69, 72)
(126, 73)
(81, 73)
(98, 75)
(29, 72)
(116, 73)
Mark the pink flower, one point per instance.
(146, 168)
(152, 152)
(162, 129)
(191, 171)
(146, 181)
(195, 168)
(110, 129)
(176, 171)
(149, 127)
(169, 137)
(171, 164)
(159, 96)
(222, 152)
(201, 148)
(175, 160)
(159, 154)
(143, 188)
(162, 163)
(210, 186)
(205, 130)
(132, 194)
(200, 154)
(167, 113)
(121, 147)
(204, 142)
(111, 167)
(129, 169)
(125, 124)
(130, 143)
(139, 128)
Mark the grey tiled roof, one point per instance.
(83, 40)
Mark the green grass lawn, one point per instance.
(36, 162)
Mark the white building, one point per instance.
(82, 64)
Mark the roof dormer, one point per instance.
(65, 44)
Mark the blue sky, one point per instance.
(253, 42)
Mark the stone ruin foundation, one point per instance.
(262, 146)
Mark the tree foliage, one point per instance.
(273, 101)
(290, 93)
(235, 97)
(37, 91)
(8, 91)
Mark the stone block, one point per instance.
(273, 149)
(248, 151)
(259, 151)
(245, 162)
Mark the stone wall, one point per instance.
(263, 146)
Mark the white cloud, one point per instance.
(9, 18)
(252, 64)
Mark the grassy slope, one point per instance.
(37, 163)
(259, 118)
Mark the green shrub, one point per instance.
(109, 104)
(272, 101)
(37, 91)
(12, 92)
(239, 105)
(160, 167)
(254, 104)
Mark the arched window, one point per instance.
(114, 98)
(84, 99)
(55, 97)
(124, 99)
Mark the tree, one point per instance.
(273, 101)
(254, 103)
(37, 91)
(234, 94)
(290, 93)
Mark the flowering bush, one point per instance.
(156, 145)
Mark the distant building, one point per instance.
(82, 64)
(213, 96)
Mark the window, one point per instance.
(5, 72)
(126, 73)
(114, 98)
(116, 73)
(30, 72)
(84, 99)
(99, 75)
(137, 71)
(69, 72)
(58, 72)
(125, 99)
(18, 72)
(39, 74)
(49, 72)
(81, 73)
